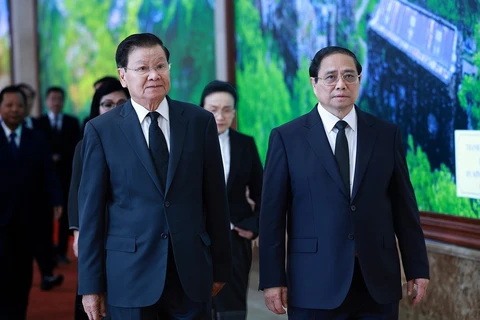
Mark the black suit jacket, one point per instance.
(245, 171)
(23, 179)
(62, 144)
(74, 185)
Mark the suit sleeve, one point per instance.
(91, 210)
(216, 205)
(74, 185)
(275, 195)
(255, 187)
(406, 218)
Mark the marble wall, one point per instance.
(454, 289)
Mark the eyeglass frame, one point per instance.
(102, 104)
(357, 79)
(137, 71)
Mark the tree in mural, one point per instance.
(78, 39)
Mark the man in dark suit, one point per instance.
(43, 251)
(155, 164)
(63, 133)
(243, 169)
(336, 180)
(26, 169)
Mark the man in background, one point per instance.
(62, 132)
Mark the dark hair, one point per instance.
(106, 78)
(13, 89)
(27, 88)
(56, 89)
(219, 86)
(107, 87)
(327, 51)
(139, 40)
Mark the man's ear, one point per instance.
(121, 76)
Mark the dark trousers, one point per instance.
(63, 235)
(231, 301)
(16, 261)
(173, 304)
(43, 246)
(358, 304)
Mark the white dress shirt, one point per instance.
(18, 133)
(163, 120)
(51, 117)
(329, 121)
(224, 139)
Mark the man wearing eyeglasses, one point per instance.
(155, 163)
(336, 180)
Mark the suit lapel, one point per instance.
(235, 156)
(178, 127)
(366, 137)
(317, 138)
(25, 143)
(132, 130)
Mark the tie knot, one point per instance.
(154, 115)
(341, 125)
(13, 135)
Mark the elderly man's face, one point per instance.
(147, 76)
(12, 110)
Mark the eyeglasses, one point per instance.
(332, 79)
(223, 111)
(143, 70)
(110, 104)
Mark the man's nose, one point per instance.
(153, 74)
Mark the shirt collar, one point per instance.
(329, 120)
(224, 136)
(142, 112)
(51, 116)
(7, 130)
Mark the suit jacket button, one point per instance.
(353, 208)
(351, 236)
(167, 204)
(164, 236)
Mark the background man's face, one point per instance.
(12, 110)
(55, 102)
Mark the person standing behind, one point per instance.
(109, 95)
(25, 169)
(63, 133)
(43, 252)
(336, 180)
(155, 164)
(243, 169)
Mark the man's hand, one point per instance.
(276, 299)
(94, 306)
(217, 286)
(247, 234)
(57, 212)
(421, 289)
(75, 242)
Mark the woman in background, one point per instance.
(109, 95)
(243, 171)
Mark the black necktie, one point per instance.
(341, 153)
(158, 148)
(13, 144)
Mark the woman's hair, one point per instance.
(219, 86)
(109, 86)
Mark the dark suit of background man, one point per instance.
(63, 133)
(243, 169)
(43, 251)
(155, 163)
(342, 194)
(25, 169)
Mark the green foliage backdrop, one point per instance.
(265, 100)
(5, 70)
(78, 39)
